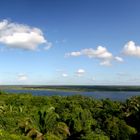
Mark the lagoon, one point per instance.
(113, 95)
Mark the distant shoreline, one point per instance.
(75, 88)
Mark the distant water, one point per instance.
(113, 95)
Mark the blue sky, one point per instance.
(70, 42)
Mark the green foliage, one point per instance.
(2, 92)
(94, 136)
(27, 117)
(51, 137)
(118, 129)
(4, 135)
(47, 119)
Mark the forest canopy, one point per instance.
(27, 117)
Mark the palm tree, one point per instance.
(46, 123)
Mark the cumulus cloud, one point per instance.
(100, 53)
(80, 72)
(131, 49)
(22, 77)
(15, 35)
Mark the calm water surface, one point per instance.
(114, 95)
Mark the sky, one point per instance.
(69, 42)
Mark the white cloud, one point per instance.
(131, 49)
(100, 53)
(73, 54)
(64, 75)
(119, 59)
(22, 77)
(15, 35)
(80, 72)
(105, 63)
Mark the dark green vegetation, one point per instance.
(27, 117)
(75, 88)
(86, 88)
